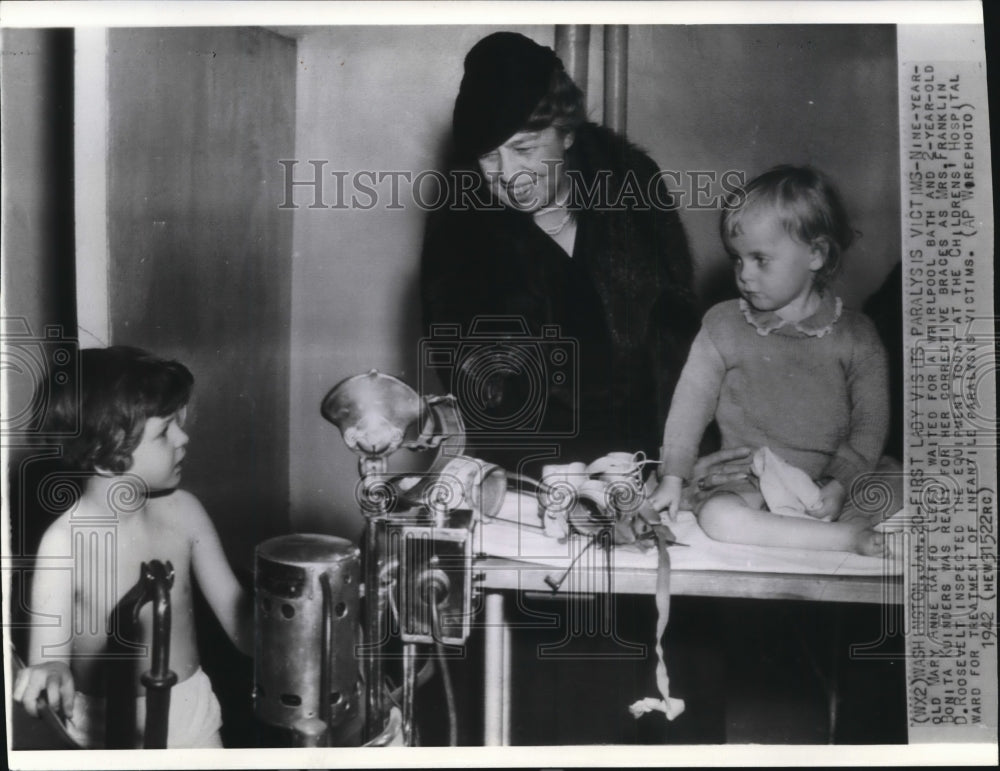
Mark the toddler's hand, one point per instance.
(54, 679)
(832, 496)
(667, 496)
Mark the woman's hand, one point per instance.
(722, 467)
(54, 679)
(717, 468)
(832, 495)
(667, 496)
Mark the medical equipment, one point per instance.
(307, 592)
(416, 565)
(413, 570)
(156, 579)
(418, 538)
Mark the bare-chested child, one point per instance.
(130, 408)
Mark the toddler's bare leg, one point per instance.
(727, 517)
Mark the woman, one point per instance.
(558, 221)
(560, 231)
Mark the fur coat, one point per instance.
(622, 305)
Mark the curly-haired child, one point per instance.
(122, 424)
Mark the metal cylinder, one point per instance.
(616, 77)
(310, 732)
(573, 47)
(307, 605)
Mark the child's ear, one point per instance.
(103, 472)
(568, 139)
(819, 251)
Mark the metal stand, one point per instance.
(377, 414)
(154, 584)
(375, 600)
(157, 580)
(409, 691)
(496, 677)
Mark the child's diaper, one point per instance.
(787, 490)
(194, 721)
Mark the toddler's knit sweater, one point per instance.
(815, 391)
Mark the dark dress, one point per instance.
(621, 309)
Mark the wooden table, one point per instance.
(500, 575)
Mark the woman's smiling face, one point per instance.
(527, 172)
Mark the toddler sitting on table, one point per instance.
(785, 369)
(122, 429)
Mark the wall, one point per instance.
(370, 98)
(722, 97)
(200, 254)
(36, 75)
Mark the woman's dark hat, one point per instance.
(506, 76)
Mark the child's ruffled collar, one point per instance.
(817, 325)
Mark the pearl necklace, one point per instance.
(554, 230)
